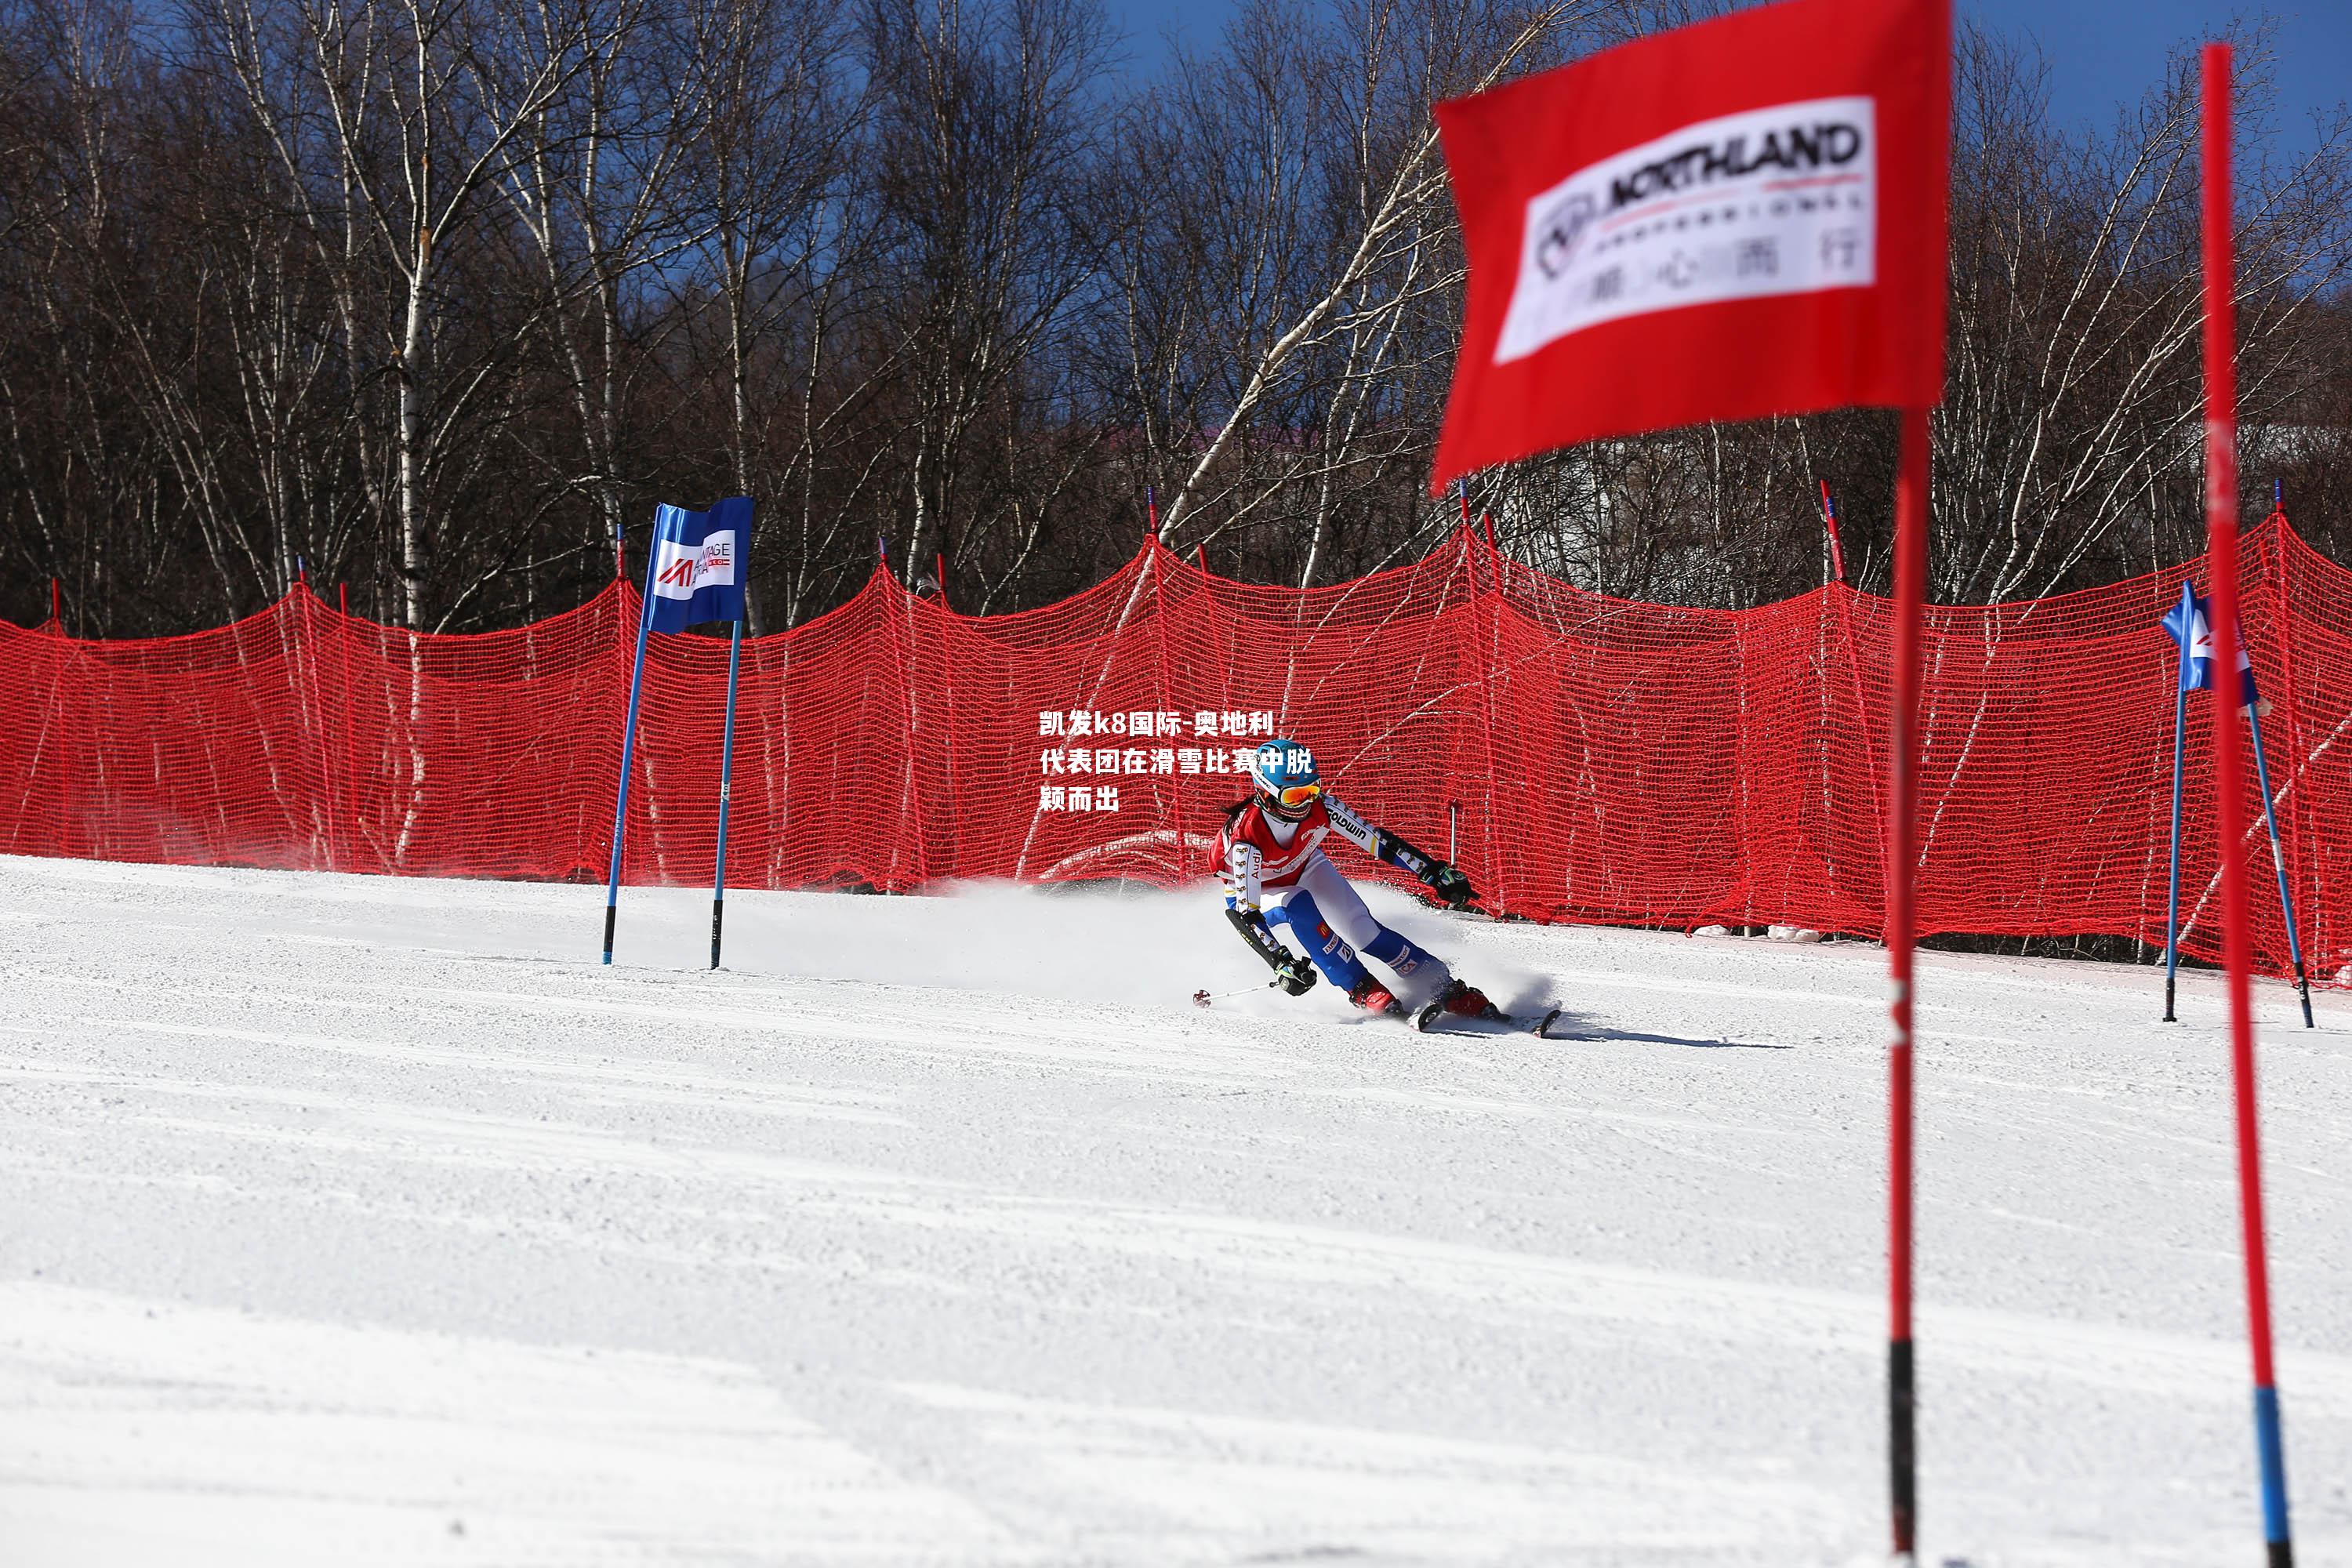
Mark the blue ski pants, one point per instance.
(1327, 916)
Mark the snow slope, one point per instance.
(351, 1220)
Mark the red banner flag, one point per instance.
(1736, 219)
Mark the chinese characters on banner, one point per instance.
(1101, 748)
(1730, 221)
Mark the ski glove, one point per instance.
(1260, 936)
(1449, 884)
(1298, 977)
(1293, 974)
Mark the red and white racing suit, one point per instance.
(1278, 869)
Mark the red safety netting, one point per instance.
(1610, 761)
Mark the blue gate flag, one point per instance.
(2186, 625)
(699, 564)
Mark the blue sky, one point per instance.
(2102, 53)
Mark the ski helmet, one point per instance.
(1287, 784)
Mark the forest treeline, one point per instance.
(430, 297)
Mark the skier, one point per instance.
(1271, 861)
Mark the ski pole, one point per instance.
(1201, 999)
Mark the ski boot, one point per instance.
(1467, 1000)
(1373, 997)
(1459, 998)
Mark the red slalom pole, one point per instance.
(1829, 521)
(1911, 481)
(2221, 536)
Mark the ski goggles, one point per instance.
(1297, 795)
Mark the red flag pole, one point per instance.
(2222, 535)
(1829, 521)
(351, 751)
(1911, 481)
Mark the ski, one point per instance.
(1430, 1017)
(1427, 1019)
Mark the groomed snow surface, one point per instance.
(363, 1221)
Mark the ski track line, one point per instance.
(228, 1437)
(600, 1083)
(1415, 1493)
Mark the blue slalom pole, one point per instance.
(726, 771)
(2172, 904)
(2278, 864)
(629, 745)
(2269, 1447)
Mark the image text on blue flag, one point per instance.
(700, 561)
(2186, 625)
